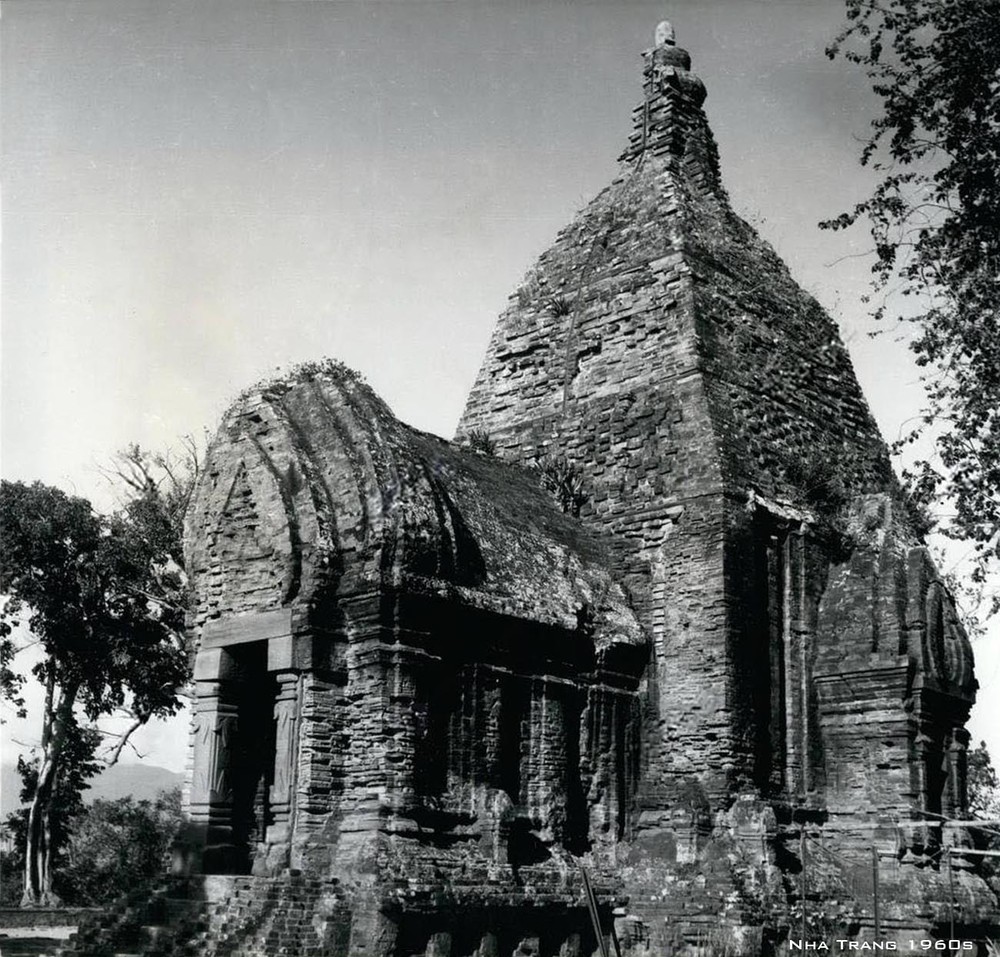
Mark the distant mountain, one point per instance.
(142, 781)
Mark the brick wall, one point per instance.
(710, 410)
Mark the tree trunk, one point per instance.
(49, 896)
(37, 874)
(32, 896)
(37, 852)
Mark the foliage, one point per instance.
(157, 491)
(78, 765)
(564, 481)
(11, 869)
(107, 848)
(984, 802)
(158, 488)
(557, 306)
(10, 680)
(826, 493)
(277, 385)
(480, 441)
(983, 786)
(822, 488)
(116, 846)
(934, 216)
(90, 588)
(85, 582)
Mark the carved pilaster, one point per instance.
(215, 725)
(958, 772)
(286, 715)
(215, 728)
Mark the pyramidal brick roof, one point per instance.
(659, 302)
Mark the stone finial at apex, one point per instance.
(665, 36)
(665, 52)
(665, 124)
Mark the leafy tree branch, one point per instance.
(934, 218)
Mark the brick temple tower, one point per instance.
(659, 615)
(808, 674)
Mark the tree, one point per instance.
(984, 789)
(77, 766)
(984, 803)
(155, 489)
(934, 216)
(91, 587)
(118, 845)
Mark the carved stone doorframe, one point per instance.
(212, 844)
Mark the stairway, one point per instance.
(219, 917)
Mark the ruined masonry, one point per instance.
(660, 610)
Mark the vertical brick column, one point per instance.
(957, 799)
(926, 760)
(401, 736)
(489, 726)
(299, 796)
(546, 764)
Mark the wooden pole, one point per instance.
(614, 938)
(878, 923)
(802, 875)
(966, 851)
(595, 917)
(951, 895)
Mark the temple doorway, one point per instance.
(253, 749)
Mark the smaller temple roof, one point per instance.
(312, 488)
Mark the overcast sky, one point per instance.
(197, 193)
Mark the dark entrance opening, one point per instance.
(253, 749)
